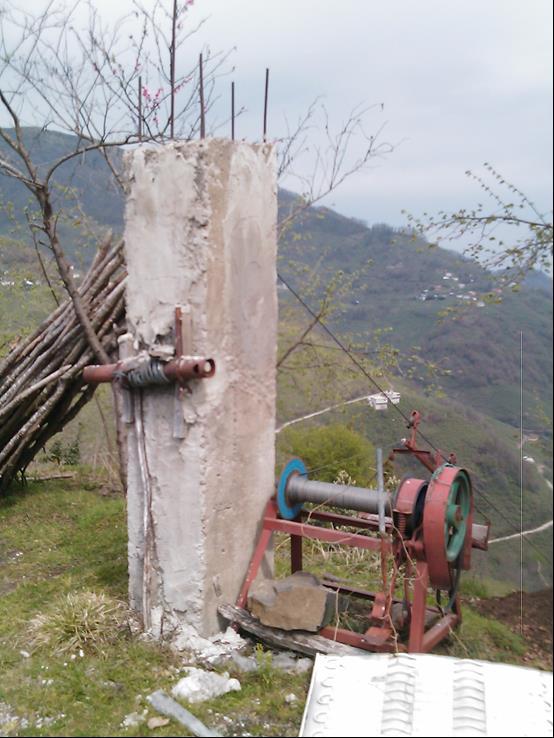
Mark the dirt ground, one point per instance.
(537, 620)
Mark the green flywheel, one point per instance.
(458, 508)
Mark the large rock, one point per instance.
(298, 602)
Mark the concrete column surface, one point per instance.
(200, 232)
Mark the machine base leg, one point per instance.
(419, 606)
(254, 567)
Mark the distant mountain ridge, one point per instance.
(88, 174)
(406, 288)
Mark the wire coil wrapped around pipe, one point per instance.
(143, 373)
(149, 373)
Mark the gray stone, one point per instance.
(244, 663)
(303, 665)
(134, 719)
(165, 704)
(200, 685)
(401, 621)
(288, 662)
(298, 602)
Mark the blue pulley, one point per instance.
(295, 466)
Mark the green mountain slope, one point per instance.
(88, 175)
(479, 346)
(479, 349)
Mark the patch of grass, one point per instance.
(64, 571)
(473, 587)
(82, 621)
(63, 575)
(264, 664)
(482, 587)
(360, 566)
(480, 637)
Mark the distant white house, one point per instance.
(381, 400)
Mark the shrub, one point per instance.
(332, 450)
(69, 454)
(84, 620)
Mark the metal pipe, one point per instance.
(381, 490)
(299, 489)
(189, 367)
(152, 372)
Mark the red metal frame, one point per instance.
(380, 635)
(420, 553)
(429, 460)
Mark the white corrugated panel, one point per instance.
(425, 695)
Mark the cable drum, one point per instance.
(295, 489)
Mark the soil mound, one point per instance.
(536, 624)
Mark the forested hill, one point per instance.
(85, 179)
(405, 288)
(408, 286)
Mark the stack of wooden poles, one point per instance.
(41, 387)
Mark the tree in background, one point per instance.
(111, 86)
(526, 245)
(331, 451)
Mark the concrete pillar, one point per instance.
(200, 232)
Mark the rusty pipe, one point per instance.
(189, 367)
(177, 370)
(98, 373)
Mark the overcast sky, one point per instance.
(455, 84)
(461, 83)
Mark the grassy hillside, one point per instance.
(58, 542)
(61, 545)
